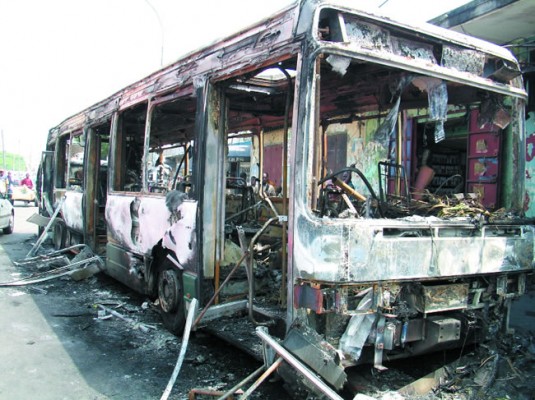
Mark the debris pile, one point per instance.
(499, 370)
(458, 205)
(57, 264)
(106, 312)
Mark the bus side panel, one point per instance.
(126, 268)
(154, 220)
(135, 223)
(181, 237)
(72, 210)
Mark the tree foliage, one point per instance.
(12, 162)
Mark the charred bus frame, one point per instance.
(399, 152)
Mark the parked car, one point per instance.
(23, 193)
(7, 215)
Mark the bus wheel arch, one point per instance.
(170, 291)
(59, 234)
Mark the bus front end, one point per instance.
(408, 232)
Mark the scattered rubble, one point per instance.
(458, 205)
(143, 360)
(82, 265)
(498, 369)
(135, 324)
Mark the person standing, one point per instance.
(267, 185)
(27, 181)
(3, 182)
(9, 185)
(255, 184)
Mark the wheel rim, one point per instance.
(11, 222)
(169, 291)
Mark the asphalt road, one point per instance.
(53, 346)
(34, 362)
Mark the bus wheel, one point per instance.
(171, 299)
(59, 235)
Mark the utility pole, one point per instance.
(161, 29)
(19, 159)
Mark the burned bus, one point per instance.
(397, 152)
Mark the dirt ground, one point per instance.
(120, 361)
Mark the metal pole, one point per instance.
(294, 362)
(43, 235)
(262, 378)
(182, 354)
(233, 389)
(284, 266)
(161, 29)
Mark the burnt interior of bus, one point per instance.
(399, 137)
(169, 160)
(128, 171)
(386, 143)
(100, 169)
(170, 157)
(377, 129)
(395, 143)
(389, 144)
(258, 120)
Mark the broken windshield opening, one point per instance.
(392, 143)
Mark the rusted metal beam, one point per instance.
(207, 392)
(298, 365)
(41, 239)
(183, 348)
(262, 378)
(234, 389)
(214, 296)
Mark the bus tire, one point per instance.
(171, 298)
(59, 235)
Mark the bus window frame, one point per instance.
(118, 156)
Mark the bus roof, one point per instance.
(277, 36)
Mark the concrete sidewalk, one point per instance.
(33, 361)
